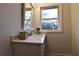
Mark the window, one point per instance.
(50, 18)
(28, 21)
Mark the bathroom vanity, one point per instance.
(34, 45)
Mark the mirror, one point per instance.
(27, 16)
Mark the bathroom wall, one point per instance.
(10, 22)
(57, 42)
(75, 28)
(27, 5)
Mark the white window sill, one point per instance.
(51, 31)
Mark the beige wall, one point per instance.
(10, 22)
(10, 16)
(27, 5)
(57, 42)
(75, 28)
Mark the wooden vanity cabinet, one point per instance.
(32, 46)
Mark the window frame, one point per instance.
(60, 15)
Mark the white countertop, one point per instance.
(35, 38)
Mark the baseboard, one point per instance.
(58, 54)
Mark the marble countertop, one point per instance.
(35, 38)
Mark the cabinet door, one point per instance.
(26, 49)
